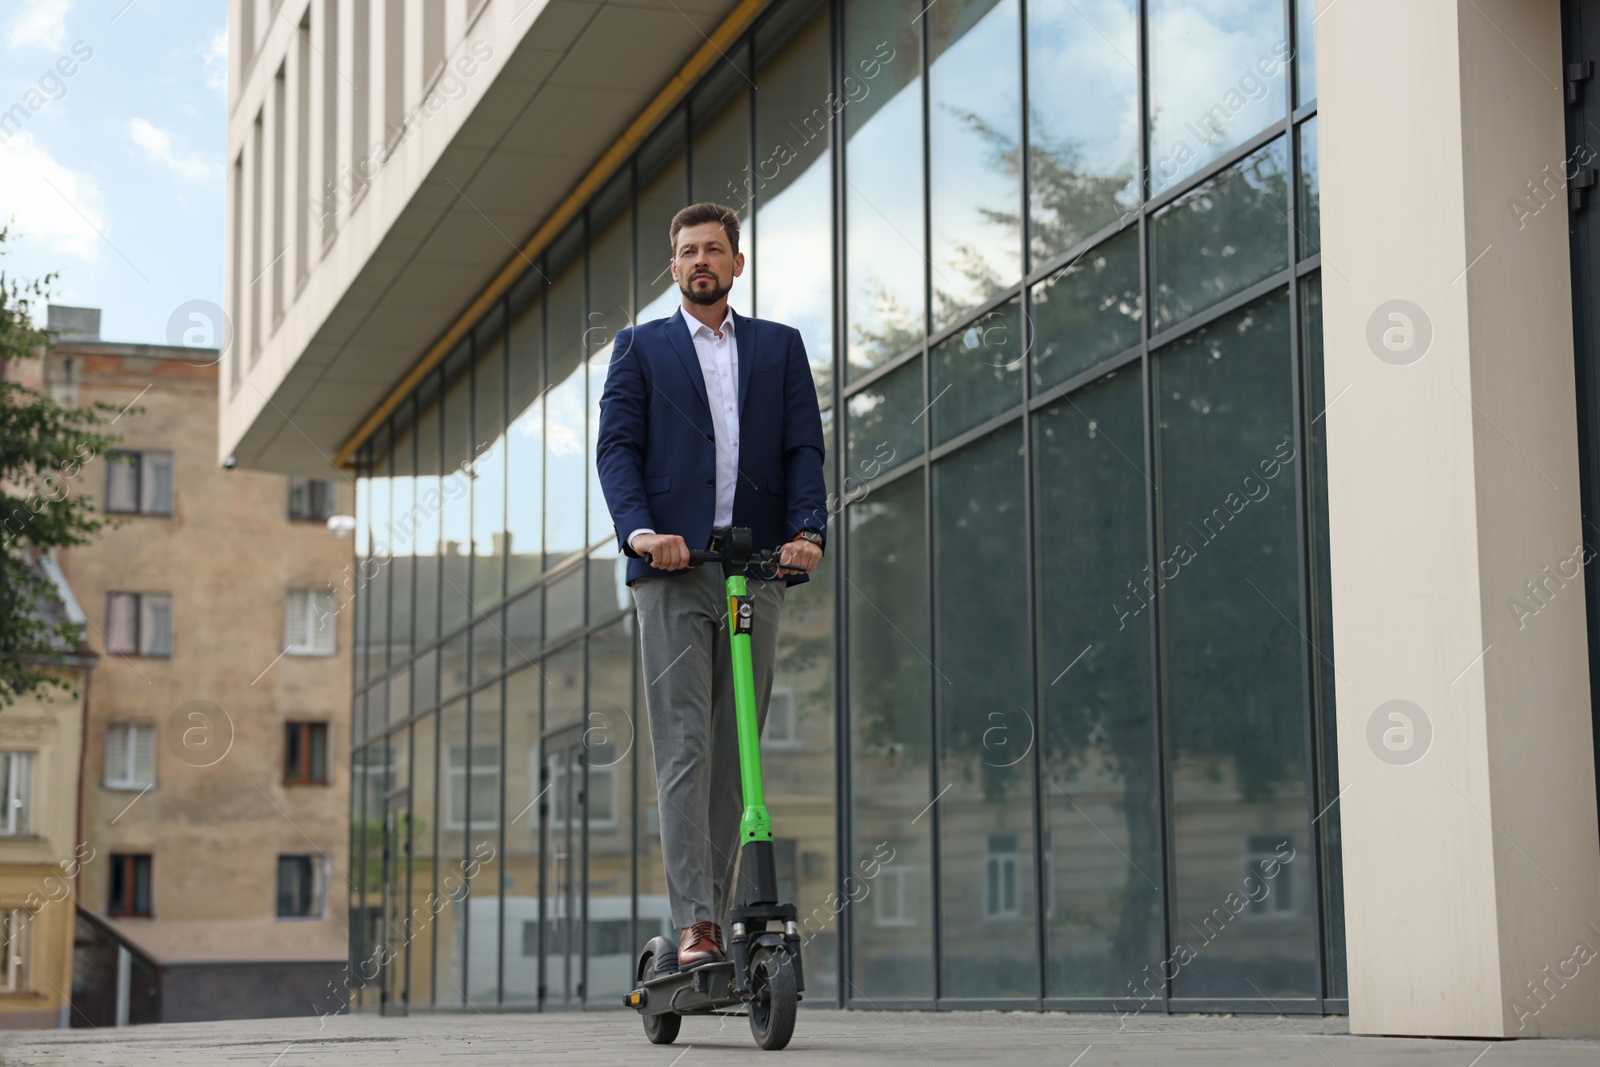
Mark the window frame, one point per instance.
(317, 897)
(129, 863)
(17, 819)
(139, 645)
(304, 771)
(133, 728)
(318, 491)
(313, 623)
(140, 471)
(16, 966)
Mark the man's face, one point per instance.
(704, 266)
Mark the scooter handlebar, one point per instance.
(766, 557)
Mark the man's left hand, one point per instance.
(802, 555)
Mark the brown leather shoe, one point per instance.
(700, 943)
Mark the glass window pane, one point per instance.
(974, 126)
(1309, 202)
(1233, 695)
(663, 188)
(392, 586)
(423, 943)
(456, 567)
(563, 683)
(1083, 121)
(486, 646)
(1222, 237)
(451, 837)
(721, 156)
(1087, 312)
(977, 374)
(889, 701)
(608, 738)
(521, 853)
(986, 731)
(885, 425)
(453, 666)
(610, 267)
(524, 630)
(480, 875)
(426, 513)
(885, 258)
(608, 584)
(1322, 660)
(1102, 908)
(1218, 76)
(794, 111)
(489, 468)
(1305, 37)
(566, 472)
(524, 549)
(564, 605)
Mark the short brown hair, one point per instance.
(696, 214)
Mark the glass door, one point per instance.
(561, 902)
(394, 994)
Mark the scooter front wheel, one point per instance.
(773, 998)
(659, 1029)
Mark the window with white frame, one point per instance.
(485, 777)
(130, 755)
(891, 896)
(308, 622)
(139, 624)
(16, 792)
(16, 936)
(300, 887)
(139, 483)
(780, 729)
(1000, 866)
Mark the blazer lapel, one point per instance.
(678, 333)
(744, 335)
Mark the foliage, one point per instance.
(43, 449)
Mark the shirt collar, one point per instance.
(695, 325)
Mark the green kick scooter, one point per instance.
(762, 970)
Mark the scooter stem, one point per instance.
(755, 824)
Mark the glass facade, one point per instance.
(1053, 723)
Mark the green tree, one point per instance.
(43, 449)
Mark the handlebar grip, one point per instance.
(698, 556)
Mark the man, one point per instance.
(708, 419)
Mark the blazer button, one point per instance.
(711, 438)
(711, 483)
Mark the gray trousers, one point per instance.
(688, 674)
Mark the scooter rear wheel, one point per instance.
(659, 1029)
(773, 1000)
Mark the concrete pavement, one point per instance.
(916, 1039)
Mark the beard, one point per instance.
(705, 297)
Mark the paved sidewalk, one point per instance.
(866, 1037)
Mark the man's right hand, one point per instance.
(666, 552)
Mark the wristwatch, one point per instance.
(813, 536)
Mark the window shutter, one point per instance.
(117, 754)
(155, 625)
(122, 623)
(321, 620)
(142, 741)
(122, 481)
(296, 621)
(155, 483)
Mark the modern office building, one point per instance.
(215, 738)
(1199, 387)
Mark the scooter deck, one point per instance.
(708, 987)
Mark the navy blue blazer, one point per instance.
(656, 451)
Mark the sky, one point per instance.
(112, 175)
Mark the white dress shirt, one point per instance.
(718, 353)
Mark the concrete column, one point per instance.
(1471, 865)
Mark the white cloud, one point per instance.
(42, 23)
(50, 203)
(157, 145)
(214, 54)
